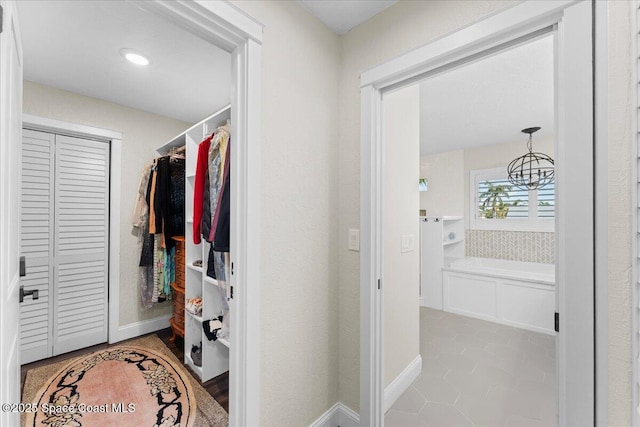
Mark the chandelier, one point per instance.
(531, 170)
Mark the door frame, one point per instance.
(114, 139)
(577, 394)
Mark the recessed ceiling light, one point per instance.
(134, 57)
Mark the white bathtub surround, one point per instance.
(515, 293)
(479, 373)
(529, 246)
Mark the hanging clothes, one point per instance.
(217, 157)
(151, 192)
(140, 221)
(176, 196)
(205, 221)
(199, 186)
(159, 215)
(140, 214)
(221, 220)
(221, 265)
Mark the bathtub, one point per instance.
(514, 293)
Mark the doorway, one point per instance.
(64, 242)
(224, 26)
(485, 253)
(572, 25)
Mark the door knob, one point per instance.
(23, 293)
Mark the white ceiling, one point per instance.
(489, 101)
(343, 15)
(74, 45)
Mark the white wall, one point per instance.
(299, 214)
(620, 179)
(445, 174)
(142, 133)
(401, 274)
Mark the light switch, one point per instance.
(354, 239)
(408, 243)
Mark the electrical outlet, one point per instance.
(354, 239)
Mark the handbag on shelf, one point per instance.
(196, 354)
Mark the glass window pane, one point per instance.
(498, 199)
(547, 201)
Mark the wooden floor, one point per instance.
(217, 387)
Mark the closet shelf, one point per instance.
(189, 221)
(191, 175)
(197, 369)
(194, 317)
(451, 242)
(210, 280)
(223, 342)
(194, 268)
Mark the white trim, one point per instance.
(601, 124)
(339, 415)
(220, 23)
(507, 28)
(371, 393)
(518, 21)
(114, 139)
(60, 127)
(402, 382)
(136, 329)
(115, 176)
(328, 418)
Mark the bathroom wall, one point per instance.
(445, 175)
(448, 194)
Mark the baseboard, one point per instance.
(339, 415)
(136, 329)
(402, 382)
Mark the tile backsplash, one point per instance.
(512, 245)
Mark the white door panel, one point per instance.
(65, 241)
(10, 146)
(36, 244)
(81, 243)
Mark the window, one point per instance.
(496, 204)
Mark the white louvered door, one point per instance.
(71, 311)
(81, 243)
(36, 244)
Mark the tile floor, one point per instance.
(478, 373)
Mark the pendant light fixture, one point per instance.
(531, 170)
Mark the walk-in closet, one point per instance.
(127, 203)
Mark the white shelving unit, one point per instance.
(215, 354)
(441, 239)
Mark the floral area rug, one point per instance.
(140, 383)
